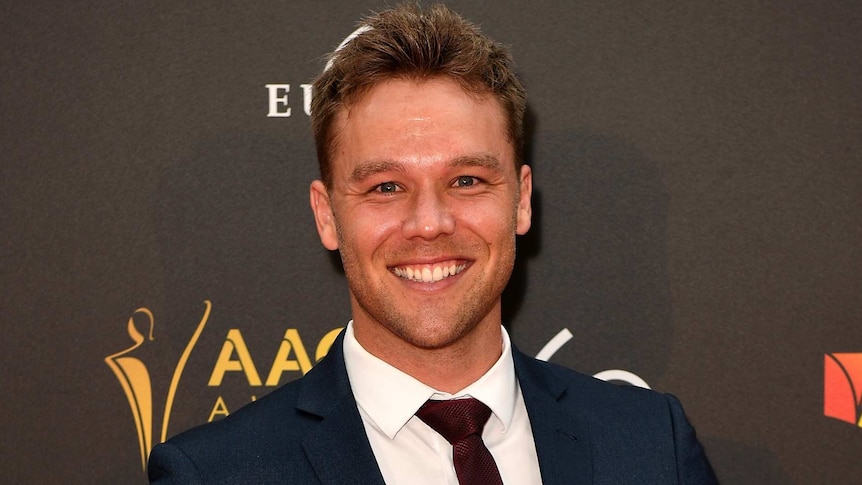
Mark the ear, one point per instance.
(525, 207)
(321, 206)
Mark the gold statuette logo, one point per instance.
(135, 380)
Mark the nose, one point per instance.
(429, 216)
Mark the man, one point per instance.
(418, 125)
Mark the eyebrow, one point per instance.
(489, 162)
(371, 168)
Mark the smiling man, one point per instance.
(418, 124)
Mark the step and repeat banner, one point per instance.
(697, 230)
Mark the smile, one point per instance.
(429, 273)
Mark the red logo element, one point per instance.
(842, 387)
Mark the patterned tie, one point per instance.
(460, 421)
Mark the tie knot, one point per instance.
(455, 419)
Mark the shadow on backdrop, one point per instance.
(595, 260)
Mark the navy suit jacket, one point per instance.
(309, 432)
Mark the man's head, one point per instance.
(423, 189)
(409, 43)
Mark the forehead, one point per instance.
(405, 118)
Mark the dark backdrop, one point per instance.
(697, 167)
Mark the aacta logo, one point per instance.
(842, 387)
(234, 356)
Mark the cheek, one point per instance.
(492, 221)
(366, 229)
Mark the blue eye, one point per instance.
(388, 187)
(465, 181)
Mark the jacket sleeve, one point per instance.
(168, 465)
(693, 468)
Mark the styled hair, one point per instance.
(411, 43)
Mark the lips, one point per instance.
(429, 273)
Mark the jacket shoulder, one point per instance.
(243, 445)
(630, 429)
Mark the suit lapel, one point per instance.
(562, 439)
(337, 447)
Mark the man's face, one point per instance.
(424, 206)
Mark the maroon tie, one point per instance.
(460, 421)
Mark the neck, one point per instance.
(448, 368)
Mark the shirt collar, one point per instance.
(391, 397)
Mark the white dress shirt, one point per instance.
(407, 450)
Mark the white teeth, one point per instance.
(428, 274)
